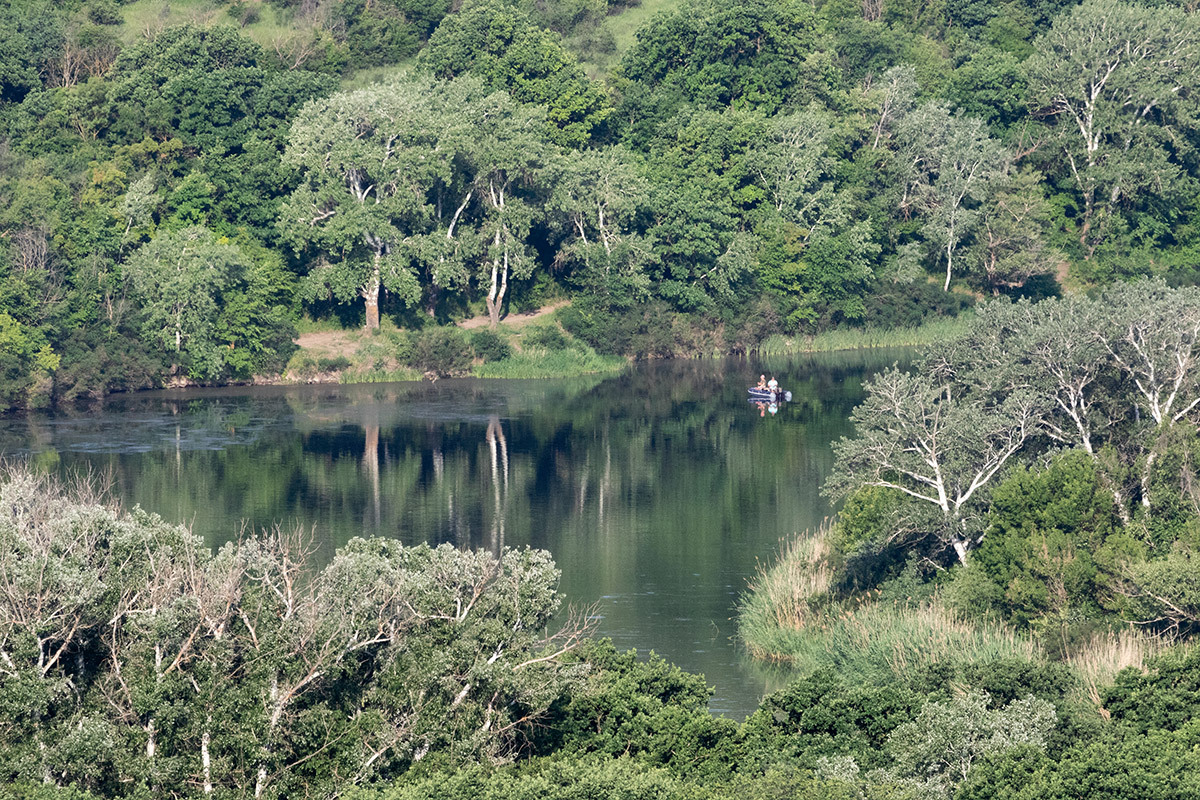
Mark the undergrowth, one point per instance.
(539, 363)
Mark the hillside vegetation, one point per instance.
(182, 184)
(137, 663)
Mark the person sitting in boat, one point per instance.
(762, 382)
(773, 385)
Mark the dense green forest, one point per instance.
(181, 185)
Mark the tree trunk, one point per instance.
(949, 261)
(960, 548)
(495, 295)
(1150, 458)
(206, 758)
(431, 304)
(370, 294)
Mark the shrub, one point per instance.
(306, 366)
(644, 332)
(490, 346)
(820, 715)
(649, 709)
(552, 364)
(1050, 543)
(445, 352)
(547, 337)
(900, 305)
(104, 12)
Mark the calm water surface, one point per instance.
(658, 491)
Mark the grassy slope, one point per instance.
(149, 15)
(624, 28)
(272, 25)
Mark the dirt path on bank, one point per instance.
(330, 344)
(515, 320)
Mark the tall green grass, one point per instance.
(880, 643)
(369, 76)
(789, 616)
(867, 338)
(538, 363)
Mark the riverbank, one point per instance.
(868, 338)
(974, 528)
(531, 345)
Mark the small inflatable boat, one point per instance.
(768, 395)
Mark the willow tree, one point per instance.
(368, 160)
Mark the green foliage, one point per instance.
(936, 750)
(550, 364)
(821, 715)
(825, 158)
(619, 778)
(25, 357)
(867, 517)
(1054, 545)
(490, 346)
(306, 367)
(442, 351)
(652, 330)
(546, 337)
(252, 654)
(209, 307)
(1091, 103)
(16, 64)
(1143, 752)
(649, 710)
(387, 32)
(500, 45)
(749, 55)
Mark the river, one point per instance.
(659, 491)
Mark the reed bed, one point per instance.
(789, 616)
(866, 338)
(1100, 660)
(538, 363)
(787, 595)
(880, 643)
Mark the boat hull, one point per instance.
(770, 396)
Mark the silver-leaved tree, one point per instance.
(134, 660)
(1116, 377)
